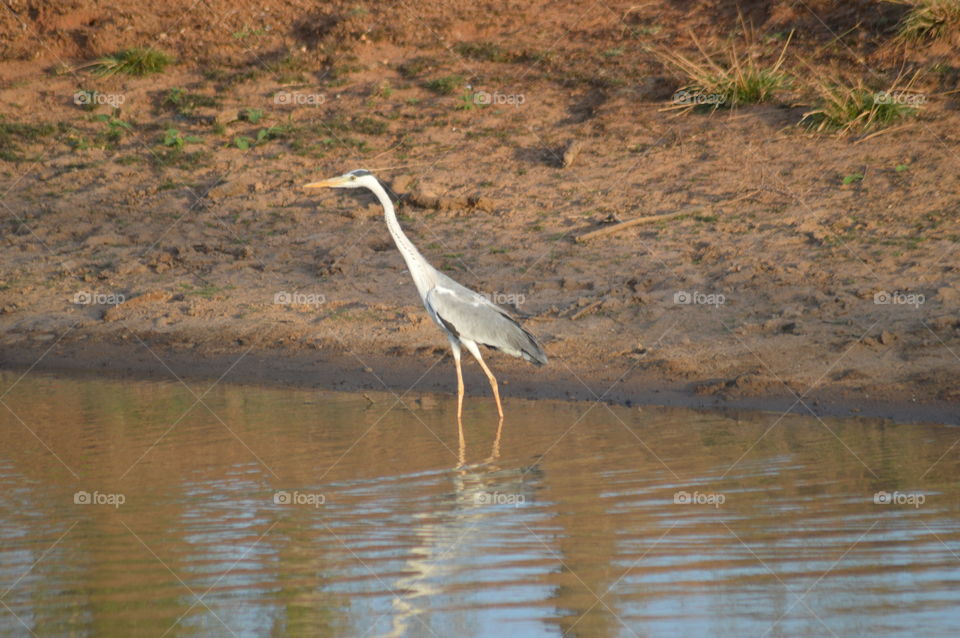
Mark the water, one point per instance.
(272, 512)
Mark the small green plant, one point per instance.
(900, 168)
(445, 85)
(740, 79)
(80, 142)
(274, 133)
(468, 101)
(251, 115)
(243, 142)
(845, 108)
(137, 62)
(929, 19)
(383, 90)
(852, 178)
(172, 138)
(115, 127)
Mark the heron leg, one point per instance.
(455, 347)
(475, 351)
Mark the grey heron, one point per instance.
(466, 317)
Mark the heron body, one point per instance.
(467, 318)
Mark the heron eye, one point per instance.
(353, 178)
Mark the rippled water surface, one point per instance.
(153, 509)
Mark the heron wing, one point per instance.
(471, 316)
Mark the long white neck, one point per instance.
(418, 266)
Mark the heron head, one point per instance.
(359, 178)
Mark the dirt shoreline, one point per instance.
(169, 208)
(357, 372)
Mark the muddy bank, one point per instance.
(410, 377)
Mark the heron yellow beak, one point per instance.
(333, 182)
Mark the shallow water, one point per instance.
(263, 511)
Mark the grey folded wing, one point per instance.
(469, 315)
